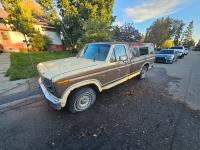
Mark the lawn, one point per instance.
(21, 66)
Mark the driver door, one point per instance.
(117, 69)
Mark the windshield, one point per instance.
(166, 52)
(97, 52)
(177, 47)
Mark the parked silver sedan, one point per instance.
(166, 56)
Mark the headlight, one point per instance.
(170, 57)
(40, 69)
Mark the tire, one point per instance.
(81, 99)
(142, 74)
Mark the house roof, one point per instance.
(39, 21)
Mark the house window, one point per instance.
(4, 36)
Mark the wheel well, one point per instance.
(93, 86)
(147, 65)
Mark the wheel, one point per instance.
(143, 72)
(81, 99)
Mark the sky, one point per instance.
(144, 12)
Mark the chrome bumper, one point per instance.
(51, 99)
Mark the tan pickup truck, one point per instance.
(73, 82)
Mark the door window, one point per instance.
(119, 50)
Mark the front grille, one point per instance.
(49, 85)
(160, 59)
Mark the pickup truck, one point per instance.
(73, 82)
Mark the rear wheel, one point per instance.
(143, 72)
(81, 99)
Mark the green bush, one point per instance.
(40, 42)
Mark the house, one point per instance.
(13, 41)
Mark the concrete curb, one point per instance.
(20, 102)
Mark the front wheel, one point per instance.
(81, 99)
(143, 72)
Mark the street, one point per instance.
(159, 112)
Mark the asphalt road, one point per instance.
(187, 88)
(147, 114)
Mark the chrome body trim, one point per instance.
(54, 101)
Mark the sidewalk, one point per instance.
(13, 90)
(5, 84)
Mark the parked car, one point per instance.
(73, 82)
(186, 51)
(180, 50)
(166, 56)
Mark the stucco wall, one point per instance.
(54, 37)
(16, 37)
(8, 45)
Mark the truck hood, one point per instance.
(71, 65)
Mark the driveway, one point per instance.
(139, 114)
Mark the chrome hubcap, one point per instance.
(83, 102)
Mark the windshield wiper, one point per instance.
(98, 52)
(94, 59)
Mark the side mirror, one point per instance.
(123, 58)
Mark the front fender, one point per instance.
(78, 85)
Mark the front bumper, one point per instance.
(180, 55)
(51, 99)
(163, 60)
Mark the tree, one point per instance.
(198, 44)
(188, 41)
(164, 29)
(159, 31)
(40, 42)
(71, 28)
(168, 44)
(197, 47)
(50, 11)
(36, 10)
(178, 26)
(126, 33)
(19, 17)
(75, 16)
(96, 31)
